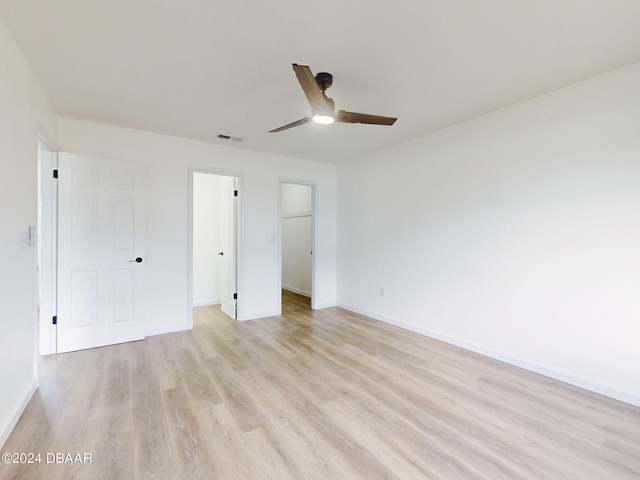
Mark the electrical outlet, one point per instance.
(382, 291)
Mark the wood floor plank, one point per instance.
(314, 395)
(288, 425)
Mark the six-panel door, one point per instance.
(101, 227)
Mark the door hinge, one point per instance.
(235, 193)
(54, 320)
(235, 296)
(55, 173)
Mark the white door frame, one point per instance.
(47, 247)
(193, 169)
(314, 232)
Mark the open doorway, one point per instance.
(297, 240)
(213, 244)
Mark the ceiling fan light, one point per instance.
(323, 119)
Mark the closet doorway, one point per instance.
(297, 227)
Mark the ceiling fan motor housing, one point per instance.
(326, 109)
(324, 80)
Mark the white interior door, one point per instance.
(101, 252)
(229, 295)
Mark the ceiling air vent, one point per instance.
(222, 136)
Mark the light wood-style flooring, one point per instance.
(324, 394)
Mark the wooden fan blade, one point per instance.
(302, 121)
(352, 117)
(309, 85)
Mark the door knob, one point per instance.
(137, 260)
(220, 253)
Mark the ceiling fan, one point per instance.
(323, 107)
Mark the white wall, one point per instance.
(24, 113)
(515, 234)
(297, 229)
(207, 239)
(168, 159)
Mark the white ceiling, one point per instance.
(197, 68)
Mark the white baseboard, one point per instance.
(547, 372)
(295, 290)
(17, 412)
(160, 331)
(255, 316)
(319, 306)
(205, 303)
